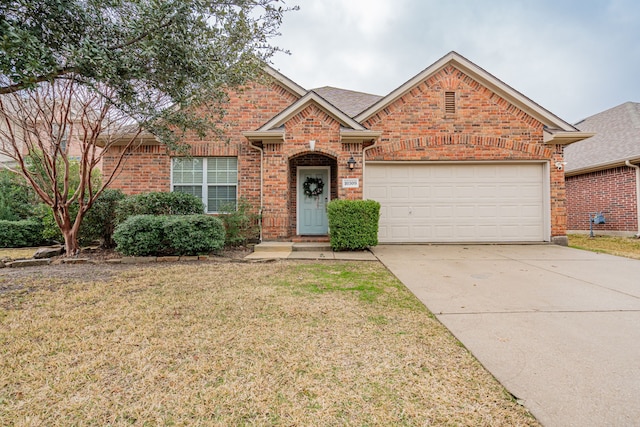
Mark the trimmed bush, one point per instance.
(241, 224)
(140, 235)
(18, 234)
(159, 203)
(145, 235)
(193, 234)
(353, 224)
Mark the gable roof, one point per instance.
(286, 82)
(349, 101)
(273, 130)
(617, 139)
(550, 120)
(311, 98)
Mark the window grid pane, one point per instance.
(187, 171)
(221, 178)
(194, 190)
(221, 197)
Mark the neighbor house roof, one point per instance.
(349, 101)
(617, 140)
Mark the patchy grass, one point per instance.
(622, 246)
(17, 253)
(288, 343)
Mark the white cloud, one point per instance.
(574, 61)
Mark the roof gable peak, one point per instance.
(454, 60)
(310, 98)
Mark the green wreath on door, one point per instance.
(314, 191)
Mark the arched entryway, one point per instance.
(308, 213)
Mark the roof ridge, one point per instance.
(345, 90)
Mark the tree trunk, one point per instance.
(71, 245)
(69, 231)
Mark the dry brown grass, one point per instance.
(621, 246)
(17, 253)
(236, 344)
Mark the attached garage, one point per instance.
(460, 202)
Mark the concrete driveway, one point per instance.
(558, 327)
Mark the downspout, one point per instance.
(637, 168)
(261, 182)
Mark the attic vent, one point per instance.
(449, 102)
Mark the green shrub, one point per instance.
(140, 235)
(241, 224)
(17, 198)
(193, 234)
(18, 234)
(144, 235)
(98, 223)
(353, 224)
(159, 203)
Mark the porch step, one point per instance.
(310, 239)
(293, 247)
(274, 247)
(312, 247)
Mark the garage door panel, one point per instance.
(399, 192)
(458, 202)
(420, 191)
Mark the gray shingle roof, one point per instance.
(348, 101)
(617, 138)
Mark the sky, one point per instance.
(575, 58)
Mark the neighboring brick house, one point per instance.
(47, 130)
(603, 172)
(452, 155)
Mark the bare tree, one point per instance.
(37, 130)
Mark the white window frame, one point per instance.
(204, 184)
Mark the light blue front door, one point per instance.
(312, 210)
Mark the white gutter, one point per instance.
(637, 168)
(261, 183)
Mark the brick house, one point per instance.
(452, 155)
(603, 172)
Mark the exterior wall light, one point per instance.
(351, 163)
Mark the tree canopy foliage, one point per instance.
(151, 54)
(97, 73)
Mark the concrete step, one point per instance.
(274, 247)
(312, 247)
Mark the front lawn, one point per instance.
(286, 343)
(622, 246)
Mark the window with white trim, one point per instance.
(212, 179)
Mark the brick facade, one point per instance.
(484, 127)
(611, 191)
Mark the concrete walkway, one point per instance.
(558, 327)
(313, 251)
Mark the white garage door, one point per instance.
(458, 202)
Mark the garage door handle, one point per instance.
(410, 211)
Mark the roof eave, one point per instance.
(348, 135)
(270, 136)
(126, 139)
(561, 137)
(602, 166)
